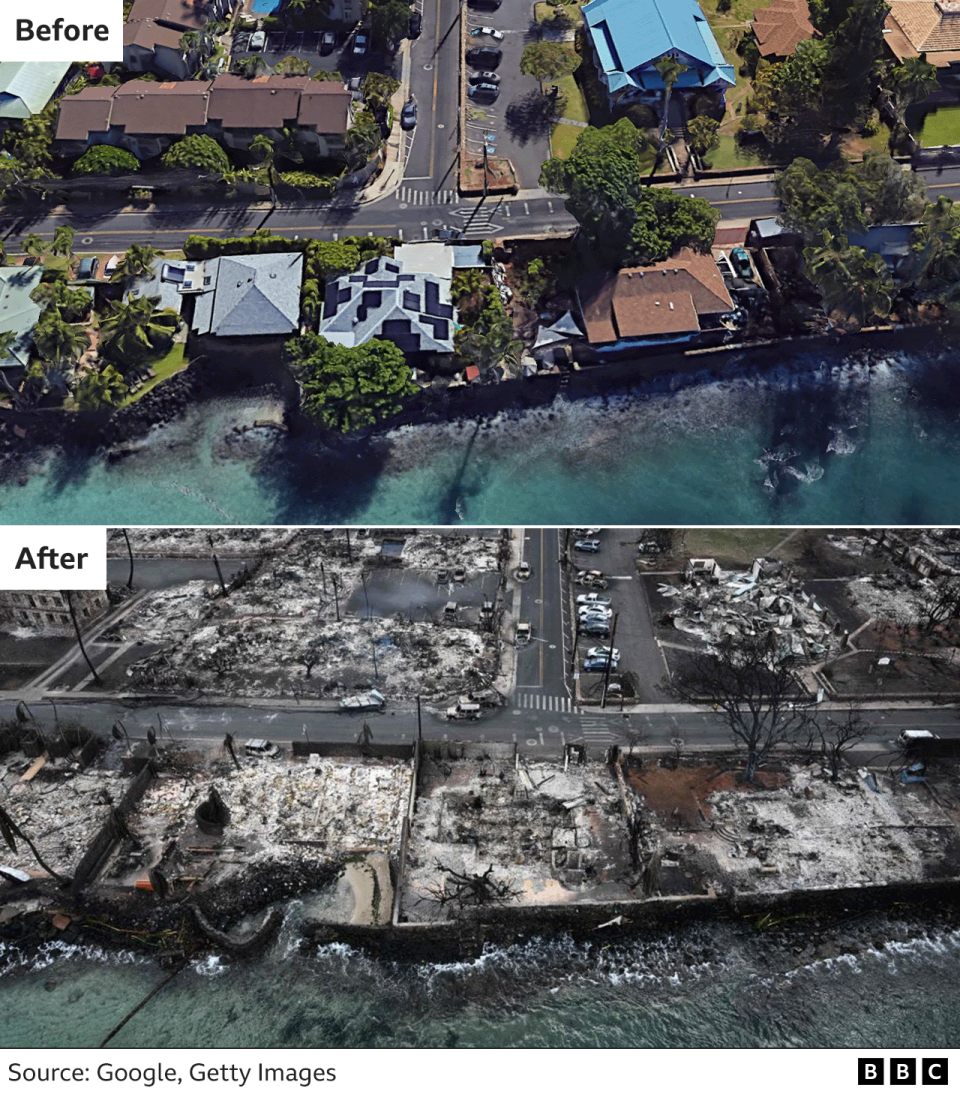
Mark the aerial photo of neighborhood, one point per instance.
(706, 251)
(484, 786)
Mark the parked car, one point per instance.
(443, 576)
(592, 546)
(523, 571)
(416, 24)
(597, 664)
(459, 573)
(487, 5)
(524, 633)
(463, 711)
(257, 746)
(87, 270)
(593, 579)
(408, 116)
(603, 651)
(484, 57)
(595, 629)
(258, 40)
(595, 609)
(593, 598)
(910, 737)
(589, 615)
(328, 42)
(484, 78)
(484, 91)
(361, 44)
(741, 263)
(489, 32)
(587, 533)
(356, 704)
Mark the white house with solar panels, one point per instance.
(629, 36)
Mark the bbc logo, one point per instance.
(903, 1071)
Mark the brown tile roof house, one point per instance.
(267, 102)
(678, 297)
(84, 113)
(169, 108)
(188, 14)
(148, 35)
(220, 107)
(924, 26)
(782, 26)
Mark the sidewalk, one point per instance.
(394, 150)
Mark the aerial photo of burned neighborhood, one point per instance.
(436, 738)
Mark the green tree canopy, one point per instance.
(854, 285)
(135, 329)
(348, 388)
(379, 89)
(363, 139)
(62, 244)
(292, 66)
(72, 305)
(98, 390)
(490, 340)
(844, 197)
(198, 151)
(911, 82)
(547, 60)
(57, 340)
(389, 20)
(702, 135)
(666, 222)
(137, 261)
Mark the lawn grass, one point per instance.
(576, 105)
(730, 155)
(168, 365)
(544, 12)
(563, 138)
(939, 125)
(740, 545)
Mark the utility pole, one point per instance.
(606, 675)
(323, 577)
(216, 562)
(419, 722)
(576, 639)
(336, 598)
(376, 674)
(366, 599)
(349, 553)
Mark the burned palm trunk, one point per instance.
(11, 832)
(212, 814)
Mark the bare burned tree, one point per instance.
(839, 735)
(757, 694)
(228, 745)
(943, 606)
(312, 654)
(470, 890)
(12, 832)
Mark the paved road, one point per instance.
(533, 729)
(541, 675)
(164, 573)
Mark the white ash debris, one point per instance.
(277, 808)
(193, 542)
(815, 833)
(279, 630)
(164, 615)
(60, 812)
(713, 605)
(887, 597)
(550, 834)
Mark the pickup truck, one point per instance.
(524, 634)
(357, 704)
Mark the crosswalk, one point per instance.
(477, 219)
(596, 731)
(562, 704)
(409, 196)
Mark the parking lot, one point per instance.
(640, 654)
(306, 45)
(514, 124)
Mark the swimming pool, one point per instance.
(264, 7)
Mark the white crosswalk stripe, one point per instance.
(597, 731)
(561, 704)
(427, 197)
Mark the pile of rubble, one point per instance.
(279, 810)
(59, 808)
(713, 605)
(889, 597)
(286, 628)
(194, 542)
(550, 835)
(814, 833)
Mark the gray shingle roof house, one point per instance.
(18, 313)
(382, 300)
(247, 295)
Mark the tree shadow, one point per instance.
(530, 117)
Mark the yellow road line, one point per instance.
(433, 105)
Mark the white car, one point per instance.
(258, 40)
(595, 615)
(496, 35)
(593, 598)
(361, 44)
(603, 652)
(587, 533)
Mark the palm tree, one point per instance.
(190, 42)
(11, 832)
(7, 339)
(263, 148)
(137, 261)
(670, 71)
(133, 330)
(911, 82)
(97, 390)
(62, 245)
(851, 282)
(59, 341)
(34, 246)
(252, 66)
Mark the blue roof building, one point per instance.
(628, 36)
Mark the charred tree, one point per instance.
(464, 890)
(838, 736)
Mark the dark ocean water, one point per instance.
(706, 986)
(838, 437)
